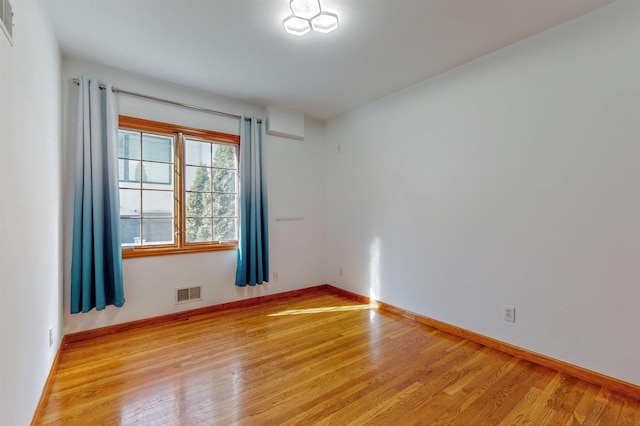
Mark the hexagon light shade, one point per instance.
(307, 15)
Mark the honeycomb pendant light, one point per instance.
(307, 15)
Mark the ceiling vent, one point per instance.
(6, 19)
(188, 294)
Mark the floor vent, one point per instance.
(6, 19)
(188, 294)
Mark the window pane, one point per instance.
(128, 144)
(157, 231)
(157, 173)
(148, 177)
(128, 170)
(129, 203)
(223, 180)
(197, 153)
(129, 231)
(198, 230)
(225, 156)
(224, 229)
(198, 204)
(157, 204)
(224, 205)
(157, 148)
(197, 179)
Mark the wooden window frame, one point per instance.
(179, 132)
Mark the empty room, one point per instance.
(268, 212)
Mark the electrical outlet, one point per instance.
(509, 313)
(50, 336)
(276, 276)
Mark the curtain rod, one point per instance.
(166, 101)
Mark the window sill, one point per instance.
(161, 251)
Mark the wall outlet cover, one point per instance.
(509, 313)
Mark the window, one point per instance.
(178, 188)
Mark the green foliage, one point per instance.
(224, 181)
(198, 207)
(209, 199)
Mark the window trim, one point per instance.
(180, 247)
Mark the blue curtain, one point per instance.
(96, 263)
(253, 238)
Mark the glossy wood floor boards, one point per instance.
(313, 359)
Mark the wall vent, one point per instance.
(188, 294)
(6, 19)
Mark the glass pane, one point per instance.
(224, 229)
(197, 153)
(224, 205)
(198, 230)
(131, 185)
(158, 173)
(223, 180)
(128, 144)
(197, 179)
(129, 203)
(157, 148)
(129, 231)
(129, 171)
(198, 204)
(157, 204)
(225, 156)
(157, 231)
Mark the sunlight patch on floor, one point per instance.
(321, 310)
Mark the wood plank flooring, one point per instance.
(313, 359)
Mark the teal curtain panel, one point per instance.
(253, 238)
(96, 263)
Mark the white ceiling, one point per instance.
(239, 49)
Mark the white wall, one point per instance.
(514, 179)
(30, 211)
(295, 178)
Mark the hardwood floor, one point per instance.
(312, 359)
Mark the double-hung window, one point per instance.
(178, 188)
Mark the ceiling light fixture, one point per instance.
(307, 15)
